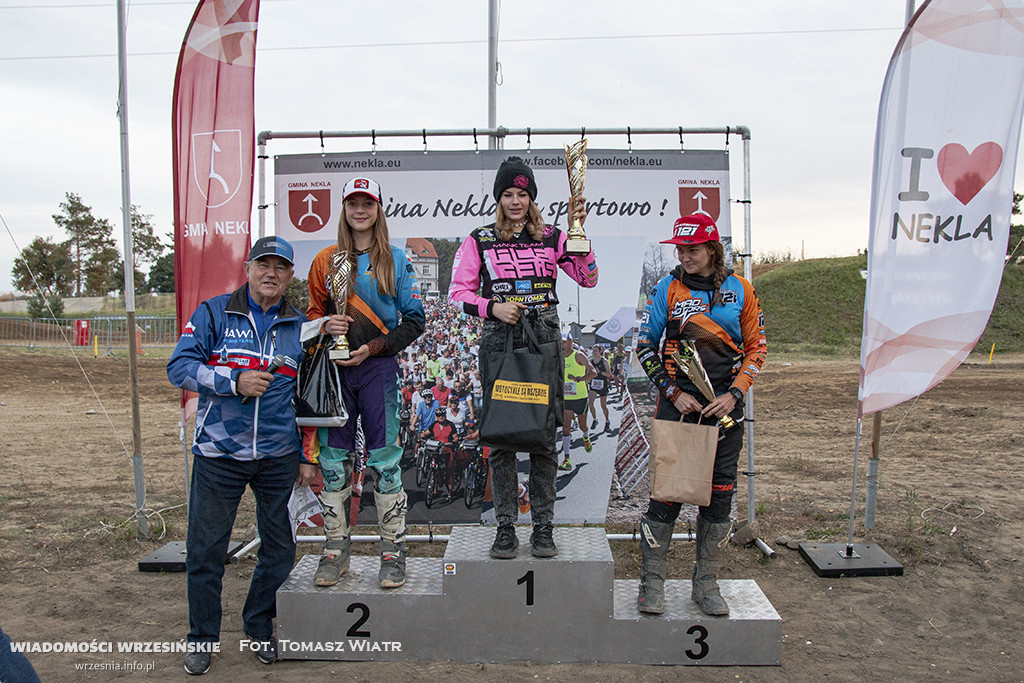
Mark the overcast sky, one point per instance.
(803, 75)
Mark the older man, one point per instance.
(245, 436)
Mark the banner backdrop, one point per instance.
(945, 151)
(632, 198)
(213, 138)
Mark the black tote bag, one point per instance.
(319, 403)
(520, 401)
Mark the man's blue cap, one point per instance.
(272, 246)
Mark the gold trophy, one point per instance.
(576, 165)
(337, 280)
(689, 362)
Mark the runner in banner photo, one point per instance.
(513, 263)
(384, 314)
(703, 301)
(578, 371)
(600, 385)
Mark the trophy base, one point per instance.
(339, 354)
(577, 246)
(727, 422)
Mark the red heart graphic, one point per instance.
(965, 173)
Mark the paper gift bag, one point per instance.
(683, 461)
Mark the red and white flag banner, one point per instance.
(945, 150)
(213, 129)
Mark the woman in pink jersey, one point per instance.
(502, 272)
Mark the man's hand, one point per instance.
(307, 473)
(253, 383)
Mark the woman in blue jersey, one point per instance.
(384, 314)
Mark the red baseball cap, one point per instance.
(696, 228)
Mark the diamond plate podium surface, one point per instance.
(470, 607)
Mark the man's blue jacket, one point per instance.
(220, 342)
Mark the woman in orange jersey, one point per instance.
(701, 300)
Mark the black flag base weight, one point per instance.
(171, 557)
(849, 559)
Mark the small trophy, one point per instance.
(337, 280)
(576, 164)
(688, 361)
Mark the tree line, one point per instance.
(88, 262)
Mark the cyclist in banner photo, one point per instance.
(384, 314)
(701, 300)
(503, 272)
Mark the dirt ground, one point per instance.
(950, 508)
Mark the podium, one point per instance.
(469, 607)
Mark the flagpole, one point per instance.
(872, 479)
(129, 277)
(853, 492)
(874, 459)
(492, 72)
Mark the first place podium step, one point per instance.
(469, 607)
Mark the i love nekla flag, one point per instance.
(949, 126)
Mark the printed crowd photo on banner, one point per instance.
(432, 202)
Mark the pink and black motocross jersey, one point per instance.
(487, 271)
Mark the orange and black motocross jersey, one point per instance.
(726, 325)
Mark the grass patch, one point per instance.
(816, 308)
(818, 302)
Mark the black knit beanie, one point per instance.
(513, 172)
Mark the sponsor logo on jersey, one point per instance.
(686, 308)
(530, 299)
(523, 286)
(501, 287)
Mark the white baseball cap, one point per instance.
(361, 186)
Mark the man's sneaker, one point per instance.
(593, 425)
(586, 443)
(197, 663)
(505, 543)
(541, 542)
(607, 427)
(565, 466)
(266, 651)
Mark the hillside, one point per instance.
(817, 306)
